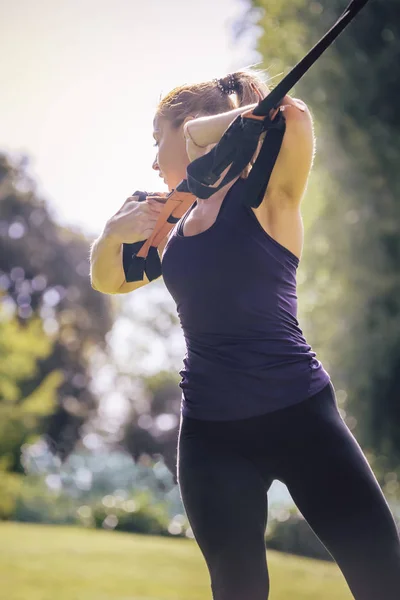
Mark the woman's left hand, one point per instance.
(287, 102)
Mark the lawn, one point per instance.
(44, 562)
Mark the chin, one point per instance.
(173, 182)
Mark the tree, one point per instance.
(51, 321)
(350, 286)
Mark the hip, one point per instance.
(233, 395)
(266, 433)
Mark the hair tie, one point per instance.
(228, 84)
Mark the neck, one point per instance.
(218, 197)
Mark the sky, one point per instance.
(80, 80)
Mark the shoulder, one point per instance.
(289, 177)
(295, 110)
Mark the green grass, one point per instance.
(43, 562)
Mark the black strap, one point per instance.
(129, 250)
(260, 174)
(135, 266)
(237, 147)
(290, 80)
(237, 150)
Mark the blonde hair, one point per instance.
(206, 98)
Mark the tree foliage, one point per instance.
(349, 279)
(51, 321)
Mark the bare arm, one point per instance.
(204, 131)
(289, 178)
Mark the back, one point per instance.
(235, 292)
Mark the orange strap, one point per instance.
(176, 205)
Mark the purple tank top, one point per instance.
(235, 291)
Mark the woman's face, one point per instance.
(171, 159)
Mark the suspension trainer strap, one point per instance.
(206, 170)
(142, 257)
(234, 150)
(290, 80)
(260, 174)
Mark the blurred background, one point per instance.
(89, 396)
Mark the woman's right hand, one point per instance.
(134, 221)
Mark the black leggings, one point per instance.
(225, 469)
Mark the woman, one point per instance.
(256, 403)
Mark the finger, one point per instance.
(156, 199)
(155, 209)
(153, 215)
(154, 205)
(130, 200)
(147, 233)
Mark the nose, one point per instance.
(155, 165)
